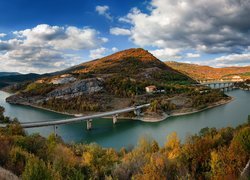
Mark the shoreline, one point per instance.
(166, 116)
(162, 117)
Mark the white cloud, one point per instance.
(166, 53)
(37, 60)
(47, 48)
(217, 26)
(101, 52)
(61, 37)
(97, 53)
(231, 60)
(114, 49)
(119, 31)
(2, 35)
(104, 11)
(193, 55)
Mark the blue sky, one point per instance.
(49, 35)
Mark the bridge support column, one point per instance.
(137, 112)
(55, 128)
(115, 118)
(89, 124)
(214, 86)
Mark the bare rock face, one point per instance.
(86, 86)
(7, 175)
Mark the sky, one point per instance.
(51, 35)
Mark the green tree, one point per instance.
(36, 169)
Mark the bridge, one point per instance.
(218, 84)
(88, 119)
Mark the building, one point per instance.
(150, 89)
(237, 78)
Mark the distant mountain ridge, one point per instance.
(8, 73)
(18, 78)
(206, 72)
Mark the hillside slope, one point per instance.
(135, 62)
(206, 72)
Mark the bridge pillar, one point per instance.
(89, 124)
(115, 118)
(55, 128)
(214, 86)
(137, 112)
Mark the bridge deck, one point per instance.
(78, 119)
(217, 82)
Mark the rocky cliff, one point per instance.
(86, 86)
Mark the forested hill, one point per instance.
(206, 72)
(134, 62)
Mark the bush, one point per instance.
(36, 169)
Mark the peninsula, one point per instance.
(123, 79)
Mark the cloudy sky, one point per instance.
(49, 35)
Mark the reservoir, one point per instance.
(126, 133)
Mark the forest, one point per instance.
(210, 154)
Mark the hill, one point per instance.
(8, 73)
(135, 62)
(206, 72)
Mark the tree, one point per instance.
(36, 169)
(155, 147)
(173, 146)
(156, 168)
(243, 139)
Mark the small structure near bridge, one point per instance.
(151, 89)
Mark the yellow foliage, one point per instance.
(155, 169)
(173, 146)
(87, 158)
(65, 155)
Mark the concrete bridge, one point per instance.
(88, 119)
(224, 85)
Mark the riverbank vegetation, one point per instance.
(210, 154)
(243, 85)
(201, 100)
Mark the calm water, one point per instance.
(127, 132)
